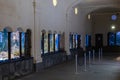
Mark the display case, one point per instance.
(57, 42)
(45, 43)
(76, 41)
(88, 41)
(51, 43)
(118, 38)
(22, 44)
(111, 39)
(3, 45)
(15, 45)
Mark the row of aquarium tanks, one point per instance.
(75, 41)
(48, 43)
(114, 39)
(17, 40)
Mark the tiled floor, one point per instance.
(107, 69)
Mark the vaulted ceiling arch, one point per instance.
(91, 6)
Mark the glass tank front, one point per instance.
(23, 43)
(46, 43)
(3, 45)
(57, 42)
(111, 39)
(15, 45)
(76, 40)
(51, 43)
(87, 40)
(118, 38)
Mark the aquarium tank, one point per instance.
(118, 38)
(87, 40)
(46, 43)
(4, 45)
(23, 43)
(111, 39)
(15, 45)
(57, 42)
(51, 43)
(76, 40)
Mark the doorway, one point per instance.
(98, 40)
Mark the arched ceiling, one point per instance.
(98, 2)
(98, 6)
(106, 10)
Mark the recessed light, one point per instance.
(89, 16)
(54, 2)
(113, 27)
(76, 10)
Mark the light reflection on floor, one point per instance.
(118, 58)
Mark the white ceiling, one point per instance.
(100, 1)
(99, 6)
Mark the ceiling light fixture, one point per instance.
(76, 11)
(54, 3)
(113, 27)
(89, 16)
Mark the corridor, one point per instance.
(106, 69)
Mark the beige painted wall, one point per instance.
(60, 19)
(16, 13)
(20, 13)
